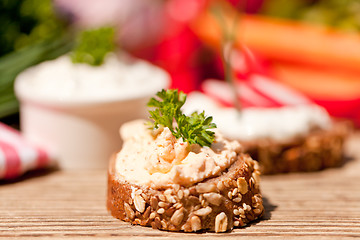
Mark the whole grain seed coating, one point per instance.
(217, 204)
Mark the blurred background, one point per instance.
(310, 46)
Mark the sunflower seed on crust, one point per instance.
(213, 198)
(220, 186)
(242, 185)
(139, 203)
(154, 202)
(195, 223)
(180, 194)
(203, 211)
(205, 187)
(128, 211)
(221, 222)
(177, 217)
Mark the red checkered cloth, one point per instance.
(18, 156)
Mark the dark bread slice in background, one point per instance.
(318, 150)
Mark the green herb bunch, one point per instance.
(167, 113)
(93, 45)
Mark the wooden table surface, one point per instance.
(71, 204)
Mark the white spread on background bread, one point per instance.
(255, 123)
(118, 78)
(158, 159)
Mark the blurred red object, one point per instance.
(304, 46)
(251, 84)
(335, 89)
(180, 51)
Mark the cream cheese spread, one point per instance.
(279, 124)
(157, 159)
(119, 78)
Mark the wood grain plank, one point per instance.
(71, 204)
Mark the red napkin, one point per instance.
(256, 91)
(18, 156)
(253, 86)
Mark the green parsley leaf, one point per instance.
(93, 45)
(167, 113)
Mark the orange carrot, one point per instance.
(316, 82)
(282, 39)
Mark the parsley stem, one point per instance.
(229, 78)
(227, 49)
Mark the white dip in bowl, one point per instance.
(75, 110)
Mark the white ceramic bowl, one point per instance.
(81, 132)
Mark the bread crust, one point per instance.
(318, 150)
(217, 204)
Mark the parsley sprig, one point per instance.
(167, 113)
(93, 45)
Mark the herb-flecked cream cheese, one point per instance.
(157, 159)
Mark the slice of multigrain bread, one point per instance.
(315, 151)
(217, 204)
